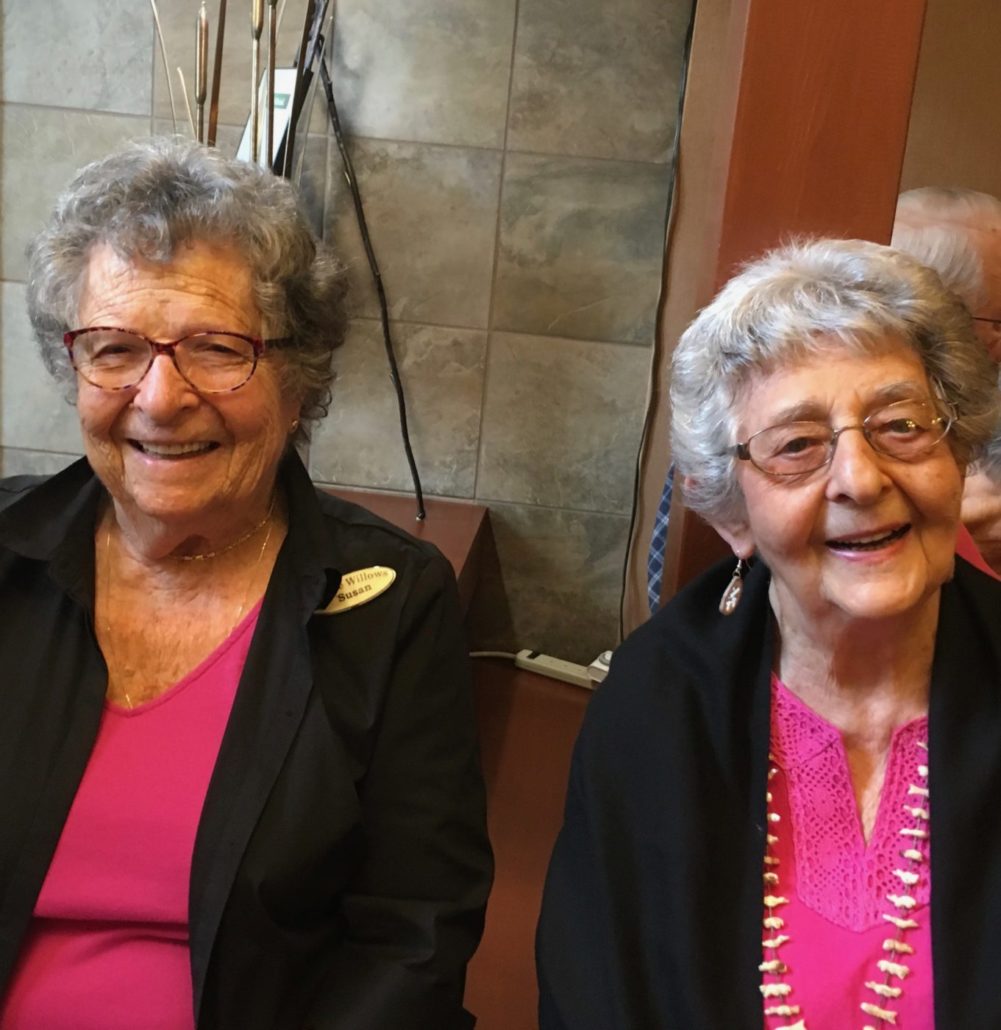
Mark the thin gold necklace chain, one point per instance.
(243, 603)
(236, 543)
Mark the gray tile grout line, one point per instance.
(553, 155)
(457, 498)
(503, 149)
(456, 327)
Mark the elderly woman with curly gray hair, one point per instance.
(233, 792)
(782, 809)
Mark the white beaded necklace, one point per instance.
(887, 988)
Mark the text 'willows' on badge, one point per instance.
(359, 587)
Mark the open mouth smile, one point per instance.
(872, 542)
(173, 450)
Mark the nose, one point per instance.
(163, 391)
(856, 471)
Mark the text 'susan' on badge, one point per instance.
(359, 587)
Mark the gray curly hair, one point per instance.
(152, 196)
(793, 303)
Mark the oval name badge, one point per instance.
(359, 587)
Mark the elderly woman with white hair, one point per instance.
(782, 805)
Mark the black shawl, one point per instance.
(652, 911)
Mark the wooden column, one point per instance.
(795, 122)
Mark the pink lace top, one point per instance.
(107, 948)
(836, 887)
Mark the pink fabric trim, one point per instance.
(834, 884)
(840, 877)
(108, 946)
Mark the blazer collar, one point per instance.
(52, 519)
(312, 552)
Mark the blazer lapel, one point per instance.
(267, 712)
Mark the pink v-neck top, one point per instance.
(108, 946)
(837, 888)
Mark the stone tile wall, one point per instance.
(514, 160)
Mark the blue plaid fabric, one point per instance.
(655, 558)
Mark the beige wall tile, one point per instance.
(581, 248)
(359, 441)
(70, 53)
(312, 180)
(432, 214)
(557, 586)
(561, 422)
(597, 78)
(42, 149)
(35, 415)
(434, 72)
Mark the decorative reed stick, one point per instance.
(187, 101)
(256, 28)
(220, 35)
(166, 63)
(201, 70)
(272, 47)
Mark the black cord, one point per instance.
(669, 226)
(349, 175)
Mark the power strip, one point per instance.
(598, 669)
(555, 668)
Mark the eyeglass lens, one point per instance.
(114, 359)
(905, 430)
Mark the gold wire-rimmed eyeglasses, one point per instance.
(905, 430)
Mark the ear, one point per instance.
(737, 533)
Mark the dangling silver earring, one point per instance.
(734, 589)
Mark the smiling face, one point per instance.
(868, 536)
(201, 463)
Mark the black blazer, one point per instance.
(341, 864)
(651, 917)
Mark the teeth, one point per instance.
(171, 450)
(865, 539)
(870, 540)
